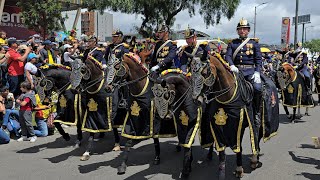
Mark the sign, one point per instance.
(13, 25)
(304, 19)
(285, 32)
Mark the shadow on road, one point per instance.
(307, 160)
(171, 163)
(307, 146)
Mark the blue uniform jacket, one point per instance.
(96, 54)
(119, 51)
(302, 60)
(185, 60)
(249, 54)
(166, 55)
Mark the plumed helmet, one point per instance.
(163, 28)
(243, 23)
(117, 33)
(188, 33)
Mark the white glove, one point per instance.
(256, 77)
(155, 68)
(104, 66)
(233, 68)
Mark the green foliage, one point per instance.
(42, 16)
(313, 45)
(155, 12)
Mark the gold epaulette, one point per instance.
(126, 45)
(255, 39)
(174, 42)
(184, 47)
(99, 49)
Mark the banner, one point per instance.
(12, 23)
(285, 32)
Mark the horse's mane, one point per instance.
(54, 66)
(223, 62)
(96, 62)
(136, 59)
(287, 65)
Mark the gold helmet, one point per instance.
(188, 33)
(117, 33)
(243, 23)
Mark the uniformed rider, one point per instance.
(300, 60)
(164, 52)
(244, 54)
(93, 51)
(193, 48)
(117, 47)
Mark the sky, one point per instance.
(269, 17)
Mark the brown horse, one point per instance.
(228, 110)
(142, 126)
(89, 78)
(294, 92)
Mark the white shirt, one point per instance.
(31, 68)
(66, 57)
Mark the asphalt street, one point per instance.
(288, 156)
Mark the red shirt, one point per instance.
(15, 67)
(28, 106)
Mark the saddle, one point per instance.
(245, 88)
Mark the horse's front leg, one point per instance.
(156, 160)
(307, 112)
(116, 140)
(187, 160)
(125, 156)
(79, 135)
(222, 165)
(287, 112)
(210, 153)
(65, 135)
(86, 155)
(239, 170)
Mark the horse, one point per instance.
(227, 111)
(294, 91)
(56, 78)
(89, 78)
(143, 122)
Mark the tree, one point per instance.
(155, 12)
(43, 16)
(313, 45)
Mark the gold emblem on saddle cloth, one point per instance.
(135, 109)
(63, 101)
(221, 117)
(92, 105)
(290, 89)
(184, 118)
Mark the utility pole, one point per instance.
(255, 18)
(302, 33)
(296, 25)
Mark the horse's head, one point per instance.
(79, 73)
(201, 75)
(170, 92)
(285, 75)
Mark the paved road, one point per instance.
(288, 156)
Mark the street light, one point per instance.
(305, 32)
(255, 18)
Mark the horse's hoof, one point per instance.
(178, 148)
(222, 171)
(122, 169)
(306, 114)
(77, 144)
(289, 117)
(116, 147)
(254, 162)
(293, 121)
(238, 172)
(316, 142)
(85, 157)
(156, 160)
(66, 137)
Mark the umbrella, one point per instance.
(265, 50)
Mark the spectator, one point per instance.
(15, 66)
(73, 36)
(11, 115)
(3, 65)
(42, 113)
(68, 55)
(4, 137)
(30, 68)
(47, 54)
(3, 38)
(27, 101)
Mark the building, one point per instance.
(69, 21)
(94, 23)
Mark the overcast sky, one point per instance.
(269, 18)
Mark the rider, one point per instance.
(117, 47)
(301, 60)
(193, 48)
(165, 50)
(94, 52)
(244, 54)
